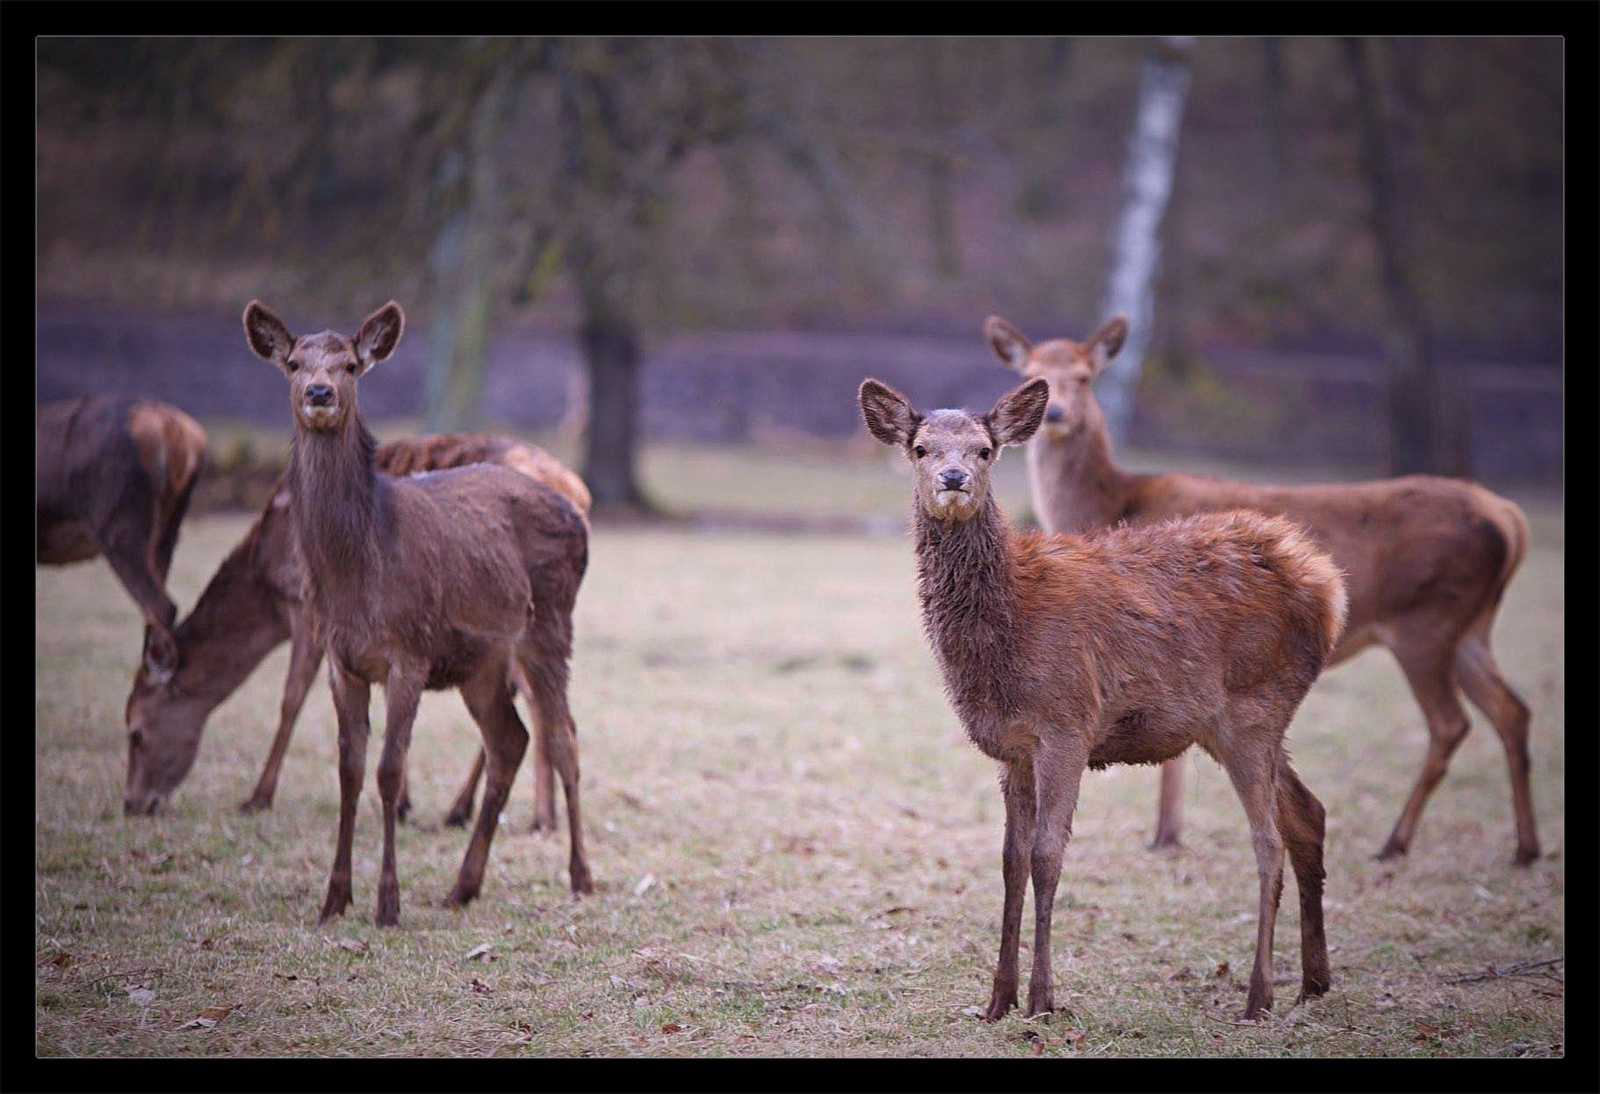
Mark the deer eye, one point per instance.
(137, 737)
(294, 366)
(983, 453)
(351, 368)
(919, 451)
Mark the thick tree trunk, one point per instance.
(1416, 396)
(1136, 247)
(460, 260)
(611, 356)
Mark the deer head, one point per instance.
(1068, 367)
(164, 723)
(322, 369)
(952, 452)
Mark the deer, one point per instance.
(1121, 646)
(423, 582)
(252, 604)
(1427, 560)
(113, 478)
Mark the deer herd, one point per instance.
(1150, 614)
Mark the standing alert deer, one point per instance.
(253, 603)
(1127, 646)
(1426, 561)
(113, 476)
(420, 583)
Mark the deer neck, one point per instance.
(234, 625)
(967, 585)
(1076, 487)
(335, 514)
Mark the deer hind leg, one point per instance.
(304, 657)
(544, 776)
(461, 809)
(1432, 678)
(488, 699)
(350, 697)
(543, 658)
(1057, 773)
(1303, 823)
(1169, 818)
(1481, 680)
(1016, 784)
(402, 693)
(1252, 769)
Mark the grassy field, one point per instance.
(796, 851)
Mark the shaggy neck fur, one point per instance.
(1076, 486)
(334, 503)
(967, 585)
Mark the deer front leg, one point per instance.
(1169, 817)
(1057, 773)
(403, 692)
(350, 696)
(1016, 784)
(304, 657)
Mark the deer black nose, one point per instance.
(952, 480)
(1054, 413)
(319, 394)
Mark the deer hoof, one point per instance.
(1390, 851)
(582, 883)
(458, 818)
(1165, 840)
(459, 896)
(1526, 856)
(1001, 1000)
(542, 824)
(255, 805)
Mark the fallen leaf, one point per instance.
(141, 996)
(479, 986)
(216, 1014)
(354, 945)
(200, 1023)
(974, 1012)
(1038, 1048)
(644, 884)
(1222, 970)
(1073, 1036)
(1182, 974)
(481, 950)
(671, 1027)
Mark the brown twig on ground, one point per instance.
(1521, 968)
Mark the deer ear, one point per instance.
(889, 416)
(1009, 343)
(1106, 343)
(1018, 414)
(269, 338)
(380, 334)
(160, 654)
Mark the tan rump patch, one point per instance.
(171, 444)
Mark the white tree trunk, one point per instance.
(1136, 246)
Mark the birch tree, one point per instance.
(1136, 244)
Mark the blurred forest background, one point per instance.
(715, 239)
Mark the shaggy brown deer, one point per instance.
(1426, 562)
(1061, 652)
(113, 476)
(252, 604)
(423, 582)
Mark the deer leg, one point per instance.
(544, 779)
(1432, 681)
(488, 699)
(1058, 771)
(304, 657)
(1169, 819)
(1016, 784)
(1481, 680)
(1302, 822)
(402, 694)
(350, 696)
(1252, 772)
(544, 665)
(129, 557)
(461, 809)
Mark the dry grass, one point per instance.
(796, 851)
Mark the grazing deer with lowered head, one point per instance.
(113, 477)
(1426, 562)
(253, 603)
(1062, 652)
(423, 582)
